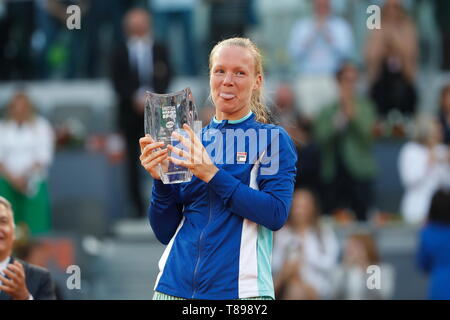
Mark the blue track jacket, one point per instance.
(219, 234)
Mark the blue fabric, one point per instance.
(233, 121)
(204, 260)
(433, 257)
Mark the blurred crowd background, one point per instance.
(368, 110)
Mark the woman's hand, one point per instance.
(150, 157)
(18, 183)
(197, 158)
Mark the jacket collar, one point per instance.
(214, 123)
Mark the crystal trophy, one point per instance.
(164, 114)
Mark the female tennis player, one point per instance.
(219, 226)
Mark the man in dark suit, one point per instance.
(138, 65)
(18, 279)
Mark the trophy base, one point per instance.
(176, 177)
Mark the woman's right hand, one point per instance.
(150, 157)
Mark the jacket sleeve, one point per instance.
(39, 282)
(46, 290)
(270, 205)
(165, 212)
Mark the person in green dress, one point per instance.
(26, 152)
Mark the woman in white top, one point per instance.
(362, 275)
(305, 252)
(26, 151)
(424, 166)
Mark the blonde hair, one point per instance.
(16, 97)
(424, 125)
(257, 105)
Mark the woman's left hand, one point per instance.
(197, 158)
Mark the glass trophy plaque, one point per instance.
(164, 114)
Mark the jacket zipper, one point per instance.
(194, 285)
(194, 280)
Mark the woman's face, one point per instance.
(232, 81)
(348, 79)
(20, 109)
(355, 253)
(303, 209)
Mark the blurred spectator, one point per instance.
(305, 252)
(318, 45)
(344, 133)
(33, 251)
(444, 113)
(350, 281)
(16, 29)
(35, 282)
(26, 152)
(424, 166)
(57, 48)
(277, 19)
(102, 21)
(442, 16)
(138, 65)
(170, 13)
(206, 114)
(38, 253)
(300, 130)
(229, 18)
(433, 255)
(309, 163)
(391, 58)
(284, 109)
